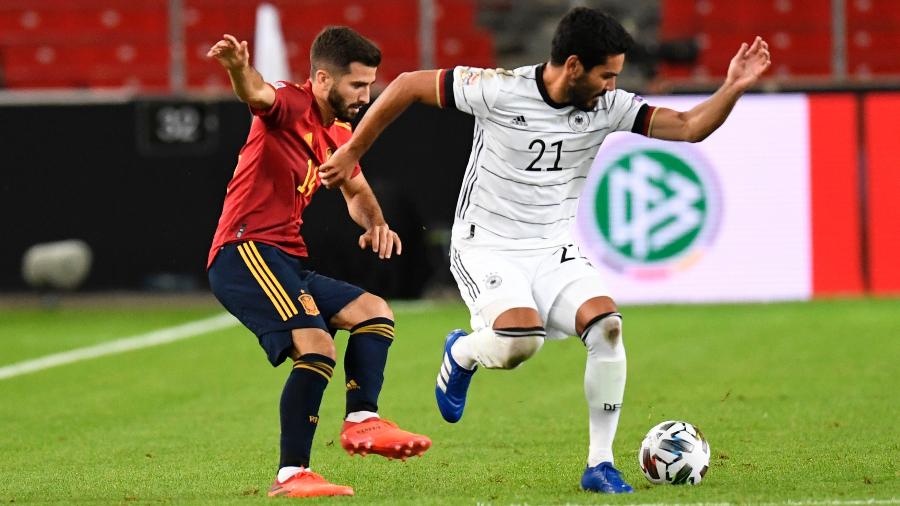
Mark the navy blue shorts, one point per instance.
(271, 293)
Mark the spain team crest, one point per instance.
(309, 305)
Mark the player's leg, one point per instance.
(259, 284)
(576, 302)
(599, 324)
(370, 322)
(507, 328)
(313, 355)
(510, 336)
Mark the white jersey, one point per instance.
(530, 156)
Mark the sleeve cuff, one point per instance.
(444, 89)
(643, 121)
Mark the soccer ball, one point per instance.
(674, 452)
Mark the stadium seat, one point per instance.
(873, 34)
(102, 43)
(720, 26)
(872, 53)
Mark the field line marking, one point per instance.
(789, 502)
(146, 340)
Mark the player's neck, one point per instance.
(554, 77)
(325, 111)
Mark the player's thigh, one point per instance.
(264, 288)
(566, 281)
(343, 304)
(492, 285)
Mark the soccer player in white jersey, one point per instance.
(537, 131)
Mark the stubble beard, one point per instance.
(341, 109)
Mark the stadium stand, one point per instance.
(99, 43)
(718, 27)
(873, 33)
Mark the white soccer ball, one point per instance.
(674, 452)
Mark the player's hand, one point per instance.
(749, 63)
(233, 55)
(338, 169)
(382, 240)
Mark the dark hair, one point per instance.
(337, 47)
(590, 35)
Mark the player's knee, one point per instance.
(518, 345)
(603, 336)
(376, 307)
(313, 340)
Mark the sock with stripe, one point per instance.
(364, 362)
(604, 383)
(300, 403)
(497, 348)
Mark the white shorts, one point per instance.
(555, 282)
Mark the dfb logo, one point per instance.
(611, 407)
(654, 209)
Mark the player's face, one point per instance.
(587, 89)
(350, 92)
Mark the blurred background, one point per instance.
(119, 136)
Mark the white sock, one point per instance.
(491, 351)
(463, 350)
(286, 472)
(604, 386)
(360, 416)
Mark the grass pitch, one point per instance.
(799, 401)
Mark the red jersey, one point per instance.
(278, 172)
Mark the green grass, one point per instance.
(799, 401)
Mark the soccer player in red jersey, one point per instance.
(255, 262)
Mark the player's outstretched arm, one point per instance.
(248, 84)
(750, 62)
(365, 211)
(409, 87)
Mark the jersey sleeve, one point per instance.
(630, 113)
(470, 89)
(288, 104)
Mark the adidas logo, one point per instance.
(519, 121)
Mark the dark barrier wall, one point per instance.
(144, 188)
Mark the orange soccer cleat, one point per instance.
(307, 484)
(379, 436)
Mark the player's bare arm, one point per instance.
(365, 211)
(407, 88)
(248, 84)
(750, 62)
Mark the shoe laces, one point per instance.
(611, 473)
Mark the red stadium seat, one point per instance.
(85, 65)
(678, 19)
(873, 34)
(102, 43)
(455, 14)
(799, 48)
(871, 53)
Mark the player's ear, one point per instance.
(573, 66)
(323, 77)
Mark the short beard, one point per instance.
(581, 97)
(340, 108)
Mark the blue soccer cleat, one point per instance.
(452, 382)
(604, 478)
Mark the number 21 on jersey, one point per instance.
(543, 146)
